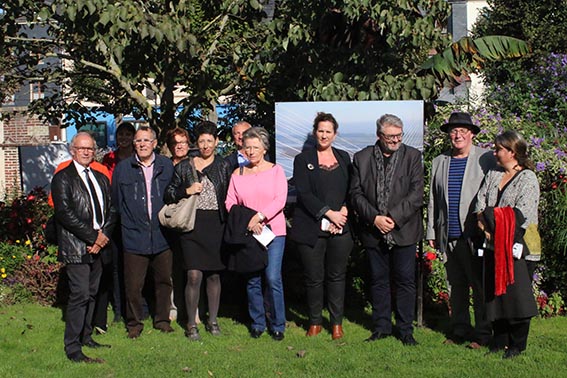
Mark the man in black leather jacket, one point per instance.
(85, 220)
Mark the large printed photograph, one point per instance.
(357, 125)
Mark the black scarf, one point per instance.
(384, 177)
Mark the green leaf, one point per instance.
(338, 77)
(255, 4)
(104, 18)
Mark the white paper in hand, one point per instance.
(266, 236)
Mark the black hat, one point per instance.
(460, 119)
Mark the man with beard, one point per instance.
(387, 194)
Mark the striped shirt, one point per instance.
(456, 173)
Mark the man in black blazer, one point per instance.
(85, 220)
(387, 195)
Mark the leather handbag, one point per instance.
(180, 216)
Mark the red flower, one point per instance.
(28, 220)
(430, 256)
(31, 197)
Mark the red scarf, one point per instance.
(505, 226)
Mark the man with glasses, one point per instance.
(85, 220)
(387, 194)
(456, 176)
(138, 186)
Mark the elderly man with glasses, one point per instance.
(85, 220)
(138, 187)
(387, 194)
(455, 179)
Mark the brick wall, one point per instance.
(19, 130)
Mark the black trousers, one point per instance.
(464, 271)
(135, 269)
(394, 265)
(324, 267)
(511, 333)
(103, 296)
(83, 286)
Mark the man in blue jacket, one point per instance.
(138, 186)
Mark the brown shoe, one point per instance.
(337, 332)
(313, 330)
(474, 345)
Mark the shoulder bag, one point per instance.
(180, 216)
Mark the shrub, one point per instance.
(436, 289)
(12, 256)
(24, 219)
(41, 280)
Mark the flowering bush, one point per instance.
(547, 305)
(12, 256)
(435, 277)
(24, 219)
(28, 265)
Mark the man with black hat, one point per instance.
(456, 176)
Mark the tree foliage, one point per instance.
(122, 54)
(540, 23)
(360, 50)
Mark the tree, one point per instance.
(366, 50)
(540, 23)
(123, 54)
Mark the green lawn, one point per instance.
(31, 345)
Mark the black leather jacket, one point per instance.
(218, 172)
(73, 214)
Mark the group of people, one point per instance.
(243, 197)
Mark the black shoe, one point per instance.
(377, 336)
(277, 335)
(80, 357)
(193, 334)
(213, 329)
(511, 353)
(94, 344)
(255, 333)
(408, 340)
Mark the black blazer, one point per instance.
(406, 196)
(310, 207)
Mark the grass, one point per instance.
(31, 345)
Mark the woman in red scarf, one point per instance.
(507, 203)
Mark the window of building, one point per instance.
(36, 90)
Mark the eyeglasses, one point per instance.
(462, 132)
(84, 149)
(181, 144)
(143, 141)
(391, 138)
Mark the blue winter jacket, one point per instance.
(140, 235)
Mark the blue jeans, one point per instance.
(274, 291)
